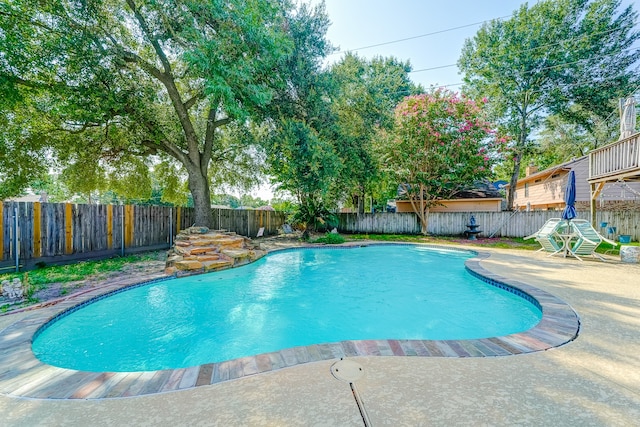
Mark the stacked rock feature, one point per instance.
(200, 250)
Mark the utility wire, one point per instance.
(523, 50)
(417, 37)
(562, 65)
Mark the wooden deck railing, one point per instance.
(617, 160)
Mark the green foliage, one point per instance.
(169, 180)
(281, 205)
(77, 271)
(364, 96)
(313, 215)
(302, 161)
(496, 242)
(568, 57)
(440, 145)
(330, 239)
(226, 200)
(22, 154)
(93, 83)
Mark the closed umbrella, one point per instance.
(569, 211)
(570, 198)
(628, 119)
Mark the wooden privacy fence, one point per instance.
(496, 224)
(55, 232)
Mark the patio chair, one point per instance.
(588, 240)
(547, 235)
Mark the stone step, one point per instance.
(217, 264)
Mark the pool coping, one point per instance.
(23, 375)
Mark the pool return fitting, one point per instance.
(350, 371)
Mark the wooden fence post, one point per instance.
(122, 233)
(37, 230)
(128, 226)
(178, 215)
(170, 227)
(109, 226)
(68, 229)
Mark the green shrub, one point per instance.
(312, 215)
(330, 239)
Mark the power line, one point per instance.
(419, 36)
(524, 50)
(561, 65)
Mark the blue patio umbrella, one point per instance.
(570, 198)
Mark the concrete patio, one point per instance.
(594, 380)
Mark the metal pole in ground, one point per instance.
(122, 229)
(16, 238)
(170, 227)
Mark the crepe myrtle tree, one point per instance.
(440, 144)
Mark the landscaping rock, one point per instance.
(215, 265)
(188, 265)
(630, 254)
(197, 230)
(198, 251)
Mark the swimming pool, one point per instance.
(287, 299)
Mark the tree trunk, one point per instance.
(522, 140)
(361, 202)
(424, 221)
(513, 182)
(199, 187)
(421, 208)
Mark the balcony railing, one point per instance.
(616, 160)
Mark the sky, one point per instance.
(360, 23)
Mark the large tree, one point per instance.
(547, 57)
(115, 80)
(301, 155)
(365, 94)
(440, 144)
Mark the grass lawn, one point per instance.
(497, 242)
(72, 276)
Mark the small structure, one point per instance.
(472, 229)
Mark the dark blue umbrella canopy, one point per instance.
(570, 197)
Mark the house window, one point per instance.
(526, 189)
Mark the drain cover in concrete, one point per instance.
(347, 370)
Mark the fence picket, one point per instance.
(72, 231)
(79, 231)
(502, 224)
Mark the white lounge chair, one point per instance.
(588, 240)
(547, 236)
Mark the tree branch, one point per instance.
(212, 125)
(164, 144)
(192, 101)
(152, 38)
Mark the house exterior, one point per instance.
(490, 204)
(482, 196)
(544, 190)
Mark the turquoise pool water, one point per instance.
(286, 299)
